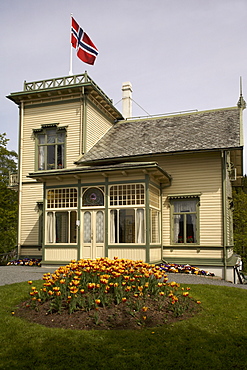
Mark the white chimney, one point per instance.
(127, 99)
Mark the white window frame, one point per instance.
(42, 148)
(181, 199)
(118, 201)
(151, 225)
(67, 203)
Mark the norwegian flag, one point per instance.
(86, 50)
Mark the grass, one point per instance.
(214, 339)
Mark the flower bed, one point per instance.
(25, 262)
(167, 267)
(120, 287)
(186, 269)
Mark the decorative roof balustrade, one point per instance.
(13, 181)
(59, 82)
(55, 82)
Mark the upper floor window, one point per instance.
(51, 148)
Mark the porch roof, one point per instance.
(151, 168)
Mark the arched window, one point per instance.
(92, 197)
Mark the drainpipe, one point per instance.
(82, 107)
(127, 99)
(84, 124)
(224, 209)
(21, 108)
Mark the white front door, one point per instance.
(93, 230)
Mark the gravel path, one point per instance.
(16, 274)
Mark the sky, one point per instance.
(179, 55)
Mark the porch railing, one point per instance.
(13, 181)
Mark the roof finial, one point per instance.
(241, 101)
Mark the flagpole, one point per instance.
(70, 68)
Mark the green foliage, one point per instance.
(8, 198)
(7, 160)
(240, 223)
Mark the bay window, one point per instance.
(155, 226)
(61, 227)
(127, 214)
(154, 212)
(61, 215)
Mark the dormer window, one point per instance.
(51, 148)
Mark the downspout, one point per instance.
(21, 114)
(161, 221)
(78, 222)
(81, 122)
(84, 124)
(44, 222)
(106, 218)
(147, 219)
(224, 210)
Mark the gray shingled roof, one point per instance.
(208, 130)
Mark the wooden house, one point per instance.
(94, 183)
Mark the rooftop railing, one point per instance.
(53, 83)
(13, 181)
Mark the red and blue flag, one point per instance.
(86, 50)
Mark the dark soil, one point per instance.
(118, 317)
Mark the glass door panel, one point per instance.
(93, 234)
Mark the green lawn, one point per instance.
(214, 339)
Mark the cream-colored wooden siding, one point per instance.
(61, 181)
(31, 194)
(125, 177)
(60, 254)
(133, 254)
(31, 252)
(66, 115)
(196, 173)
(154, 197)
(97, 125)
(192, 253)
(155, 255)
